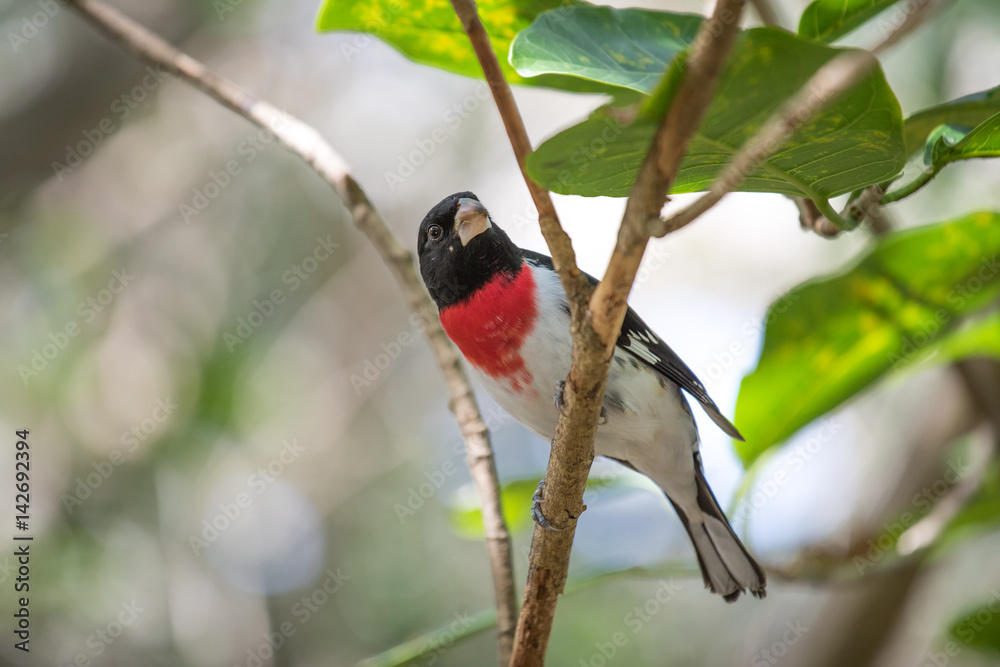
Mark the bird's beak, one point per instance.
(471, 220)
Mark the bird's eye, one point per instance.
(434, 232)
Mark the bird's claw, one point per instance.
(560, 387)
(536, 509)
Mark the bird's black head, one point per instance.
(460, 249)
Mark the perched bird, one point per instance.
(505, 309)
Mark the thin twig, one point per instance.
(559, 243)
(704, 67)
(572, 449)
(809, 215)
(307, 143)
(828, 83)
(767, 13)
(594, 338)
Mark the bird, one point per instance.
(505, 309)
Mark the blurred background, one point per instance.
(240, 440)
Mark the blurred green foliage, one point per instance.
(831, 338)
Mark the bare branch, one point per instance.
(641, 220)
(767, 12)
(559, 243)
(307, 143)
(810, 216)
(593, 339)
(829, 82)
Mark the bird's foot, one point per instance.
(560, 387)
(536, 509)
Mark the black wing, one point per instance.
(642, 343)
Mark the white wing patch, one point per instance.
(637, 347)
(644, 336)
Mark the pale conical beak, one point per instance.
(471, 220)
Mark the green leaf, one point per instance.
(829, 20)
(428, 32)
(622, 47)
(979, 338)
(968, 111)
(854, 142)
(946, 144)
(466, 518)
(830, 338)
(980, 627)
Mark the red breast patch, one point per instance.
(491, 326)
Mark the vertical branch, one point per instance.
(712, 45)
(304, 141)
(559, 243)
(597, 323)
(767, 12)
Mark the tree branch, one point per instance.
(767, 12)
(711, 47)
(576, 286)
(307, 143)
(829, 82)
(595, 328)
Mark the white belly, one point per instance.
(649, 424)
(642, 409)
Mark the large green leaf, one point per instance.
(854, 142)
(828, 20)
(428, 32)
(830, 338)
(979, 628)
(979, 338)
(968, 111)
(946, 144)
(623, 47)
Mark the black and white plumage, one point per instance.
(506, 310)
